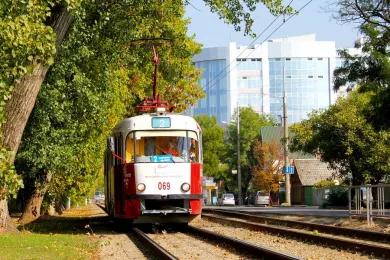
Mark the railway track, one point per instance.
(378, 250)
(157, 250)
(347, 232)
(248, 250)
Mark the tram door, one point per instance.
(118, 175)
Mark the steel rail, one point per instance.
(158, 251)
(329, 241)
(246, 247)
(350, 232)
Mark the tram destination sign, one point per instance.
(161, 122)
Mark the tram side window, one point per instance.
(133, 148)
(118, 149)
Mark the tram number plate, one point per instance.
(164, 186)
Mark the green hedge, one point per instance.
(337, 196)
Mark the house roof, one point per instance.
(271, 133)
(312, 171)
(276, 133)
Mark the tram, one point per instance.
(153, 165)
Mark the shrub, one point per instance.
(337, 196)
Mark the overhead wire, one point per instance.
(208, 86)
(248, 46)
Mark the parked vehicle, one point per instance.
(262, 198)
(226, 199)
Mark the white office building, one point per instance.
(253, 76)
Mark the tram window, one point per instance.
(150, 146)
(118, 149)
(163, 146)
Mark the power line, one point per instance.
(247, 47)
(188, 2)
(253, 49)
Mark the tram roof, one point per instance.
(144, 122)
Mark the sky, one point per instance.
(211, 31)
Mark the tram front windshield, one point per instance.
(162, 146)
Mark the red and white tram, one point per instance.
(153, 165)
(153, 169)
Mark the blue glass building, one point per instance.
(253, 76)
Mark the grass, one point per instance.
(43, 246)
(59, 237)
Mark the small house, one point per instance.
(307, 173)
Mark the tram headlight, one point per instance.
(141, 187)
(185, 187)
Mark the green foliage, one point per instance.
(213, 145)
(360, 145)
(8, 176)
(250, 124)
(346, 140)
(25, 41)
(369, 70)
(102, 34)
(325, 184)
(98, 78)
(337, 196)
(236, 12)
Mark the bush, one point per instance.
(337, 196)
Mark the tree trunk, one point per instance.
(22, 101)
(59, 207)
(19, 107)
(32, 211)
(6, 225)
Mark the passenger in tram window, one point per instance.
(171, 146)
(183, 144)
(192, 157)
(150, 146)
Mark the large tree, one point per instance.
(214, 149)
(369, 69)
(32, 31)
(74, 127)
(250, 123)
(267, 172)
(346, 140)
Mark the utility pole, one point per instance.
(238, 156)
(286, 162)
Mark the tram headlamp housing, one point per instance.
(141, 187)
(185, 187)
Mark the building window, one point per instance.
(310, 58)
(310, 77)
